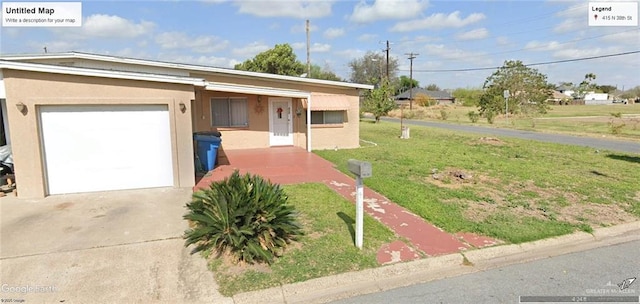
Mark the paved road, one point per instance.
(589, 273)
(597, 143)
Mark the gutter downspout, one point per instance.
(309, 123)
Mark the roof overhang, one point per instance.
(187, 67)
(234, 88)
(46, 68)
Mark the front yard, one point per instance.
(513, 190)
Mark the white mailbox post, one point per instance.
(361, 169)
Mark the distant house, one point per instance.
(441, 97)
(592, 98)
(559, 98)
(566, 91)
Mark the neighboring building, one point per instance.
(559, 98)
(566, 91)
(81, 122)
(441, 97)
(592, 98)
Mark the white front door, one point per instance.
(280, 126)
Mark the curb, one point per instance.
(341, 286)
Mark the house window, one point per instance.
(327, 117)
(229, 112)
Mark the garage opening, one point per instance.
(91, 148)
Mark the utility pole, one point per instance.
(387, 49)
(411, 57)
(308, 58)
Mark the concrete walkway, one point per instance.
(289, 165)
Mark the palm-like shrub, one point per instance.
(245, 216)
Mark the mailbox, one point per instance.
(359, 168)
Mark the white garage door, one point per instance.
(98, 148)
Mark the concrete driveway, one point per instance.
(123, 246)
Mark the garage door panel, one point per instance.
(98, 148)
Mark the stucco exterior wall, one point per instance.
(35, 89)
(345, 136)
(256, 135)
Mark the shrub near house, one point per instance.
(244, 216)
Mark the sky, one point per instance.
(446, 35)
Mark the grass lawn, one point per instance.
(593, 120)
(326, 248)
(514, 190)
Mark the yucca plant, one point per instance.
(246, 216)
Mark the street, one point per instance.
(596, 143)
(580, 276)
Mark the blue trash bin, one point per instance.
(207, 148)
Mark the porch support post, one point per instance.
(309, 123)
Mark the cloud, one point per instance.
(111, 26)
(300, 9)
(299, 45)
(200, 60)
(476, 34)
(573, 18)
(332, 33)
(576, 53)
(387, 9)
(301, 28)
(543, 46)
(502, 40)
(367, 37)
(250, 50)
(57, 46)
(320, 47)
(451, 53)
(199, 44)
(351, 53)
(438, 21)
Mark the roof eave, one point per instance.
(188, 67)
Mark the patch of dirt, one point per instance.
(456, 178)
(491, 141)
(479, 211)
(233, 268)
(595, 214)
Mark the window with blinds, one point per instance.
(327, 117)
(229, 112)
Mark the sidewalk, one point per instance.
(289, 165)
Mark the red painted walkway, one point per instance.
(289, 165)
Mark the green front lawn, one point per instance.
(517, 191)
(326, 248)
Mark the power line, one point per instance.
(531, 64)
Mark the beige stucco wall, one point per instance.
(35, 89)
(345, 136)
(256, 135)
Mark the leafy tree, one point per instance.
(245, 216)
(404, 83)
(528, 90)
(323, 73)
(606, 89)
(279, 60)
(432, 87)
(468, 97)
(585, 86)
(631, 93)
(371, 68)
(379, 101)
